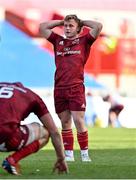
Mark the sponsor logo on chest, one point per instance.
(68, 50)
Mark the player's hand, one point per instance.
(61, 167)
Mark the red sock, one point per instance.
(25, 151)
(68, 139)
(83, 140)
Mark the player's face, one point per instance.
(71, 29)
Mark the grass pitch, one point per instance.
(113, 154)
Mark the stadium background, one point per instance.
(111, 67)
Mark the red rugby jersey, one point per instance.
(70, 58)
(17, 102)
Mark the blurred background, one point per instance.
(111, 68)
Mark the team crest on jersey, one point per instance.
(61, 43)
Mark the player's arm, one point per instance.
(95, 26)
(45, 28)
(56, 139)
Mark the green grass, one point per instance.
(113, 153)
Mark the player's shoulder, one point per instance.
(86, 35)
(55, 35)
(17, 84)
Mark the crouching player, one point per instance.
(16, 103)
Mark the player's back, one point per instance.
(16, 102)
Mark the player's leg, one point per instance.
(77, 105)
(82, 134)
(37, 132)
(61, 107)
(33, 137)
(67, 134)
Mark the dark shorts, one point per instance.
(72, 98)
(116, 108)
(17, 139)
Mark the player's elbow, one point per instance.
(42, 27)
(98, 29)
(99, 26)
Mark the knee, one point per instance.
(65, 118)
(47, 135)
(44, 133)
(80, 124)
(44, 136)
(41, 131)
(66, 124)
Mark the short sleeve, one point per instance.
(40, 108)
(53, 37)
